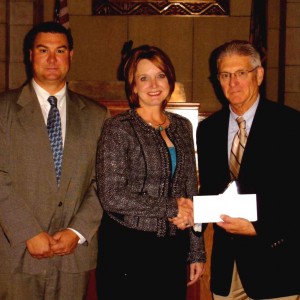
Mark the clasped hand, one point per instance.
(44, 245)
(185, 216)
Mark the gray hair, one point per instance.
(241, 48)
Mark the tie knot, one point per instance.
(241, 122)
(53, 101)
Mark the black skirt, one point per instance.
(138, 265)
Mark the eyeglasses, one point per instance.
(239, 75)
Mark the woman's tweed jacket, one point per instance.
(135, 184)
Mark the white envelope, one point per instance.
(207, 209)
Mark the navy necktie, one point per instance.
(55, 136)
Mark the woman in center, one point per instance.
(146, 178)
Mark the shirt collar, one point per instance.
(249, 114)
(43, 95)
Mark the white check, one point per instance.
(207, 209)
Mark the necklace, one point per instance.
(159, 125)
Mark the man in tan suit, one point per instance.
(48, 241)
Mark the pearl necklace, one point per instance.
(159, 126)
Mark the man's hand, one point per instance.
(185, 216)
(237, 225)
(40, 245)
(65, 242)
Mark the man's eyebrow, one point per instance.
(43, 46)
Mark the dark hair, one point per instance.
(52, 27)
(159, 58)
(46, 27)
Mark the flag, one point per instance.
(258, 27)
(61, 13)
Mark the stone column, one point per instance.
(18, 19)
(2, 45)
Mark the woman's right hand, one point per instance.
(185, 216)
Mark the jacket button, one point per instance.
(60, 204)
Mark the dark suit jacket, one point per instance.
(267, 263)
(30, 201)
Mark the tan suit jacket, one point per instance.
(30, 201)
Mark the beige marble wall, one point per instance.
(291, 75)
(2, 44)
(271, 73)
(292, 62)
(188, 40)
(20, 20)
(208, 36)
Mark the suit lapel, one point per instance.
(31, 120)
(73, 139)
(224, 139)
(256, 138)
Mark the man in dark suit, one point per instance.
(252, 260)
(48, 227)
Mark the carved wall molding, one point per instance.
(167, 8)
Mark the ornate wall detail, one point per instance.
(191, 8)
